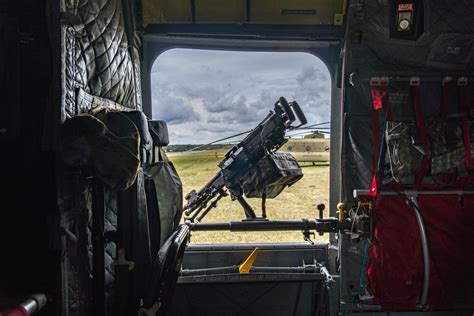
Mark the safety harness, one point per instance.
(380, 100)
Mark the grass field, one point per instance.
(298, 201)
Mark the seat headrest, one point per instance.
(159, 132)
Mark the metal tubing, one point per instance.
(425, 250)
(29, 305)
(362, 192)
(235, 269)
(34, 303)
(328, 225)
(205, 271)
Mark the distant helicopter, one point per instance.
(311, 147)
(308, 146)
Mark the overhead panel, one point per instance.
(218, 11)
(321, 12)
(166, 11)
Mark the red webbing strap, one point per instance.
(464, 109)
(420, 122)
(446, 86)
(380, 100)
(376, 139)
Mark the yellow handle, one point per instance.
(248, 263)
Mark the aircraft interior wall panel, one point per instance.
(323, 12)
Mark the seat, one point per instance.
(164, 278)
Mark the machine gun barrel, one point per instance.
(329, 225)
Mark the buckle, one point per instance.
(414, 81)
(446, 80)
(378, 81)
(462, 81)
(122, 261)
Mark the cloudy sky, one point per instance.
(206, 95)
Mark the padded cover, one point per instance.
(99, 67)
(97, 56)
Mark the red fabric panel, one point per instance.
(396, 268)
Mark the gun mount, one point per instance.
(253, 167)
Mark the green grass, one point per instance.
(296, 202)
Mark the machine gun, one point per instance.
(253, 167)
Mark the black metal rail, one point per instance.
(329, 225)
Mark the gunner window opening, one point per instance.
(207, 95)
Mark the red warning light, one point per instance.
(404, 17)
(405, 7)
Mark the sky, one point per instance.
(206, 95)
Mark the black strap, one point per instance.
(140, 240)
(420, 123)
(123, 301)
(98, 244)
(153, 215)
(133, 248)
(122, 304)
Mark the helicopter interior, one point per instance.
(87, 182)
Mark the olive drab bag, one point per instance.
(105, 145)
